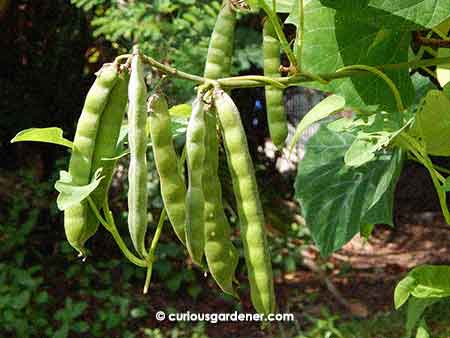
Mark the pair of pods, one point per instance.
(96, 138)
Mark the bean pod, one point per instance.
(276, 116)
(195, 198)
(250, 212)
(107, 138)
(78, 227)
(173, 189)
(137, 141)
(221, 45)
(221, 255)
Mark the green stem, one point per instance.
(275, 21)
(300, 34)
(151, 252)
(435, 166)
(294, 80)
(383, 76)
(111, 227)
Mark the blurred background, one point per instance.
(49, 52)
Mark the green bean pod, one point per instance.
(195, 198)
(78, 227)
(276, 116)
(221, 45)
(107, 138)
(221, 255)
(173, 189)
(137, 141)
(250, 212)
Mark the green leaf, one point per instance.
(48, 135)
(432, 281)
(426, 13)
(181, 110)
(336, 199)
(403, 291)
(352, 34)
(423, 282)
(330, 105)
(434, 107)
(70, 194)
(364, 147)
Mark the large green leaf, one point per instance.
(335, 38)
(397, 14)
(427, 13)
(336, 200)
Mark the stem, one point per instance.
(122, 57)
(425, 41)
(383, 76)
(300, 34)
(151, 252)
(250, 81)
(111, 227)
(274, 20)
(435, 166)
(170, 70)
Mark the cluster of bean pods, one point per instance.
(194, 206)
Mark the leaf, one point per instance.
(181, 110)
(425, 282)
(434, 107)
(70, 194)
(48, 135)
(432, 281)
(351, 34)
(416, 307)
(335, 199)
(364, 147)
(323, 109)
(403, 291)
(426, 13)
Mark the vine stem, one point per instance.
(385, 78)
(275, 21)
(300, 34)
(151, 251)
(251, 81)
(162, 217)
(110, 225)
